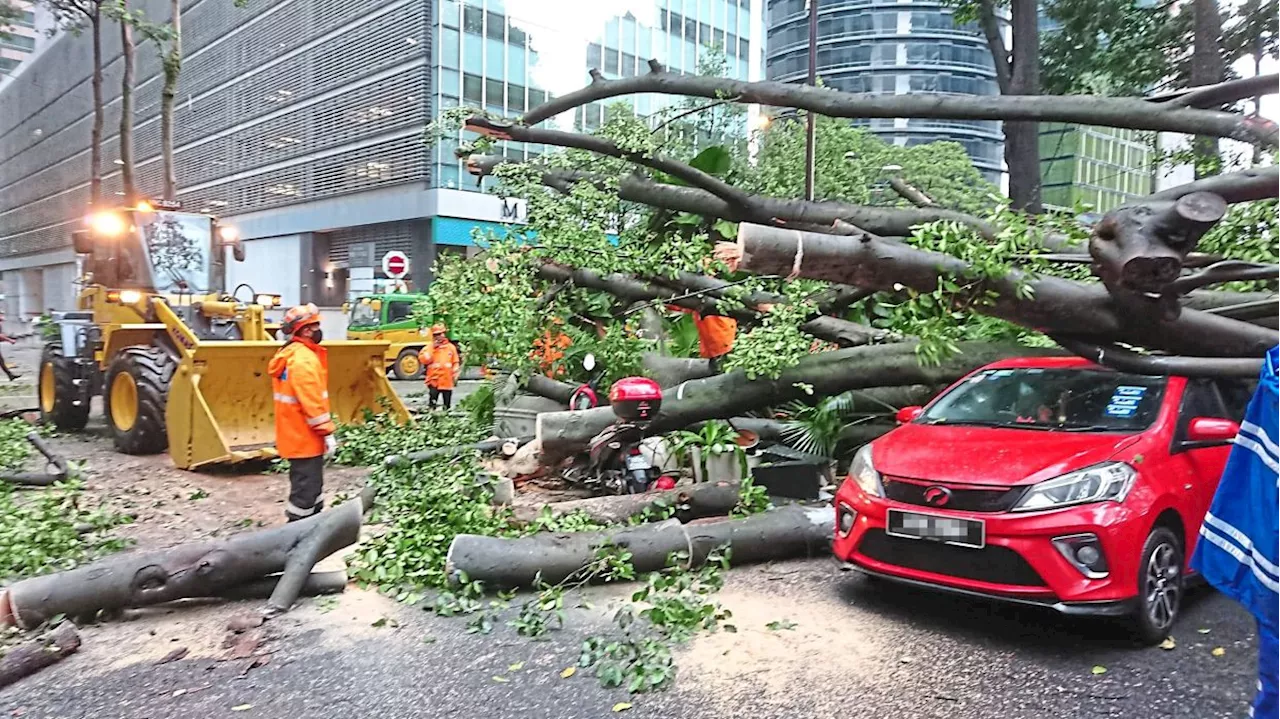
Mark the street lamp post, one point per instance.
(810, 129)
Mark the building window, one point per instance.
(743, 48)
(495, 26)
(516, 36)
(493, 92)
(473, 20)
(628, 64)
(471, 88)
(22, 42)
(611, 61)
(593, 56)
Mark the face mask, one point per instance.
(317, 336)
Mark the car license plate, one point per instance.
(950, 530)
(637, 461)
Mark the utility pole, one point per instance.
(810, 128)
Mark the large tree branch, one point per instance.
(631, 289)
(604, 146)
(1129, 113)
(888, 221)
(1055, 305)
(1126, 360)
(1225, 271)
(1224, 93)
(1255, 183)
(1141, 247)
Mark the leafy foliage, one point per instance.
(39, 530)
(380, 435)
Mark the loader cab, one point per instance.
(389, 317)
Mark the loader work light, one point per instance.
(267, 300)
(107, 224)
(228, 234)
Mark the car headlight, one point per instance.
(1109, 481)
(864, 473)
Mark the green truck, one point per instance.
(389, 318)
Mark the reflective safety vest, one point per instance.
(1237, 551)
(442, 362)
(299, 385)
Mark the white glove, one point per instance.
(330, 445)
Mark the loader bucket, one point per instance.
(220, 408)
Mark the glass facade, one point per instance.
(507, 56)
(1099, 166)
(887, 47)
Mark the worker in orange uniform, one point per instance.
(549, 349)
(443, 366)
(304, 428)
(715, 335)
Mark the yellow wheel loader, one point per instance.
(180, 364)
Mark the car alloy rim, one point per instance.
(1163, 588)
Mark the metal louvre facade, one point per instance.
(285, 101)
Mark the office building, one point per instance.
(892, 47)
(18, 40)
(1103, 167)
(302, 122)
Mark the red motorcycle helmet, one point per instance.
(635, 399)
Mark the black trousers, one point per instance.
(306, 480)
(434, 394)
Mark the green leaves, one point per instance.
(714, 160)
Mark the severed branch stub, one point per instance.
(55, 471)
(1141, 248)
(1126, 360)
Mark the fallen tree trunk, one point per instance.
(316, 584)
(485, 446)
(828, 373)
(712, 499)
(784, 533)
(27, 659)
(1129, 361)
(190, 570)
(1054, 305)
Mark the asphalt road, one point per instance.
(858, 649)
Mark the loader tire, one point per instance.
(407, 366)
(62, 403)
(135, 395)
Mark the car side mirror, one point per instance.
(909, 414)
(1209, 431)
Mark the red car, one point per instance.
(1046, 481)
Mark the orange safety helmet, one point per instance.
(298, 317)
(439, 328)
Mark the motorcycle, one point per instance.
(585, 395)
(614, 461)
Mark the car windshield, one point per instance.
(1079, 400)
(363, 315)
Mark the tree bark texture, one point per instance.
(172, 62)
(1057, 305)
(561, 434)
(95, 130)
(29, 658)
(55, 471)
(126, 108)
(1022, 138)
(1128, 113)
(190, 570)
(1129, 361)
(784, 533)
(1255, 183)
(695, 501)
(544, 386)
(316, 584)
(1207, 68)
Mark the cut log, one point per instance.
(696, 501)
(317, 583)
(784, 533)
(27, 659)
(563, 433)
(190, 570)
(1140, 248)
(671, 371)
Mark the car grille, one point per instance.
(910, 491)
(998, 565)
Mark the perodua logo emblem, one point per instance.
(937, 496)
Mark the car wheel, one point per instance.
(1160, 586)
